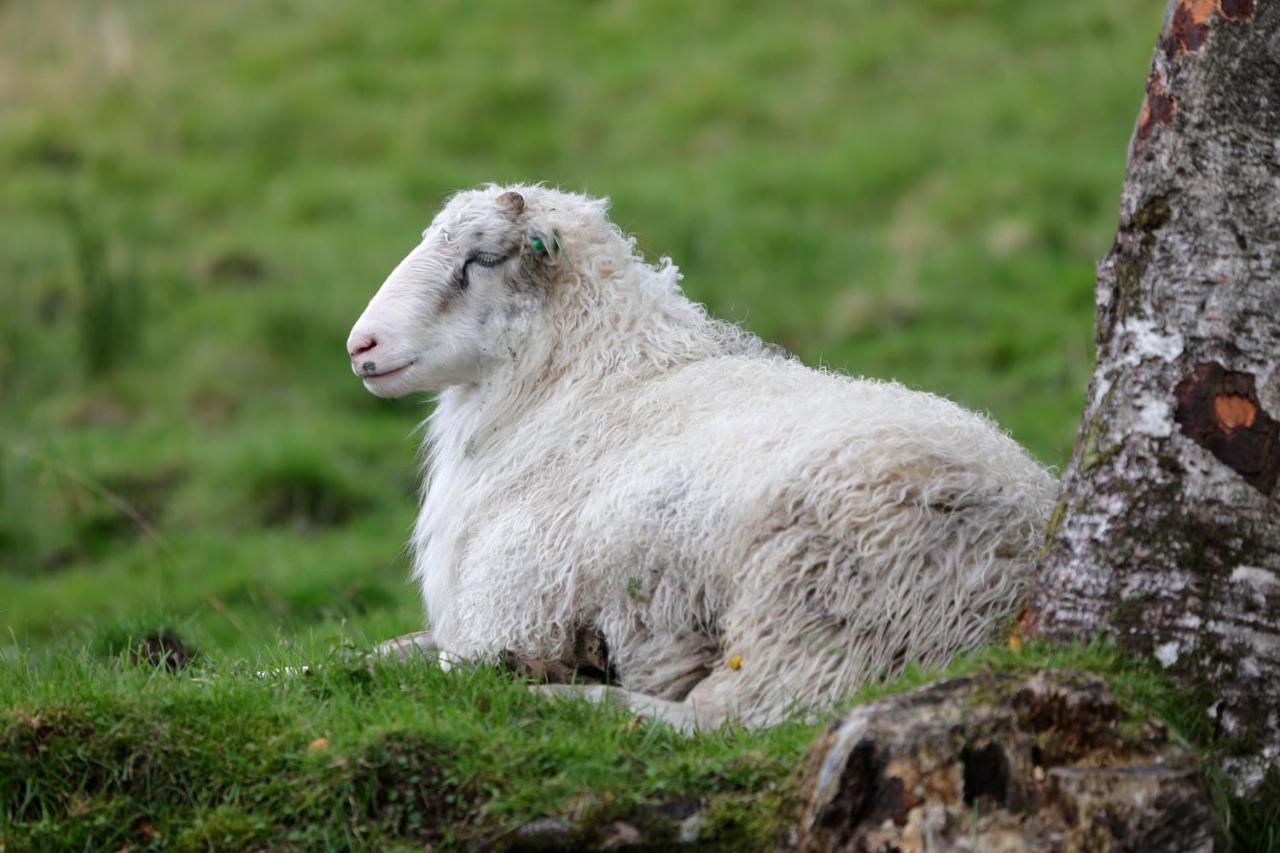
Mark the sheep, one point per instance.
(747, 537)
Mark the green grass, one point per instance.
(197, 201)
(96, 752)
(100, 750)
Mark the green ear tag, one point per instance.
(538, 245)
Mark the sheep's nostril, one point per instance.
(361, 345)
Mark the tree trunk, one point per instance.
(1167, 538)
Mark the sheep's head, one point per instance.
(461, 300)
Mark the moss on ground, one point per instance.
(108, 751)
(98, 752)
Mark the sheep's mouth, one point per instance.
(383, 374)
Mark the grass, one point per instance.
(98, 752)
(111, 748)
(198, 203)
(199, 199)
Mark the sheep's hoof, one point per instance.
(541, 670)
(408, 647)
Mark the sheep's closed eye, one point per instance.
(486, 259)
(481, 257)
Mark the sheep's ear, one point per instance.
(540, 258)
(512, 203)
(547, 245)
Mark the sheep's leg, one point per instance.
(402, 648)
(586, 662)
(686, 717)
(408, 647)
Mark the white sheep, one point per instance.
(749, 537)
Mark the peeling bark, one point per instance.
(1168, 535)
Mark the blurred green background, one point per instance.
(197, 200)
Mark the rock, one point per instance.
(662, 825)
(1002, 763)
(546, 833)
(621, 834)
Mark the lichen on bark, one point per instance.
(1170, 543)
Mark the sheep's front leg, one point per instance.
(409, 647)
(685, 717)
(587, 661)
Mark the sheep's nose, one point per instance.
(361, 344)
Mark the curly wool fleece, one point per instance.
(747, 534)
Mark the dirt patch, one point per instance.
(148, 494)
(100, 412)
(163, 650)
(234, 267)
(304, 498)
(213, 409)
(400, 788)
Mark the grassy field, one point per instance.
(198, 202)
(198, 199)
(402, 757)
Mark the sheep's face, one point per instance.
(458, 303)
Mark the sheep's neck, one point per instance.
(596, 344)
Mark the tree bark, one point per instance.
(1167, 537)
